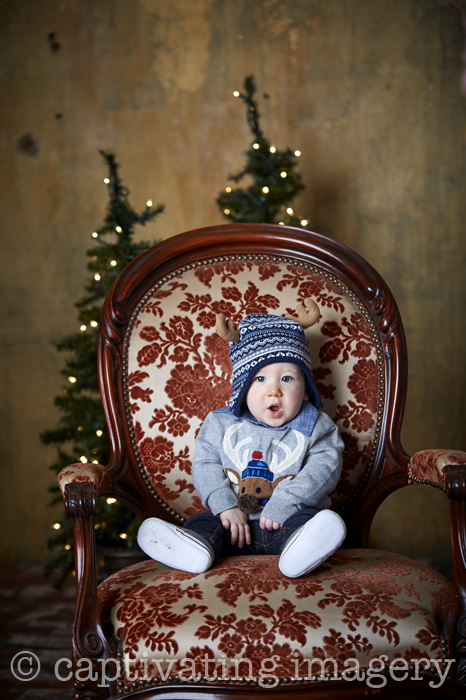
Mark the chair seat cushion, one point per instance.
(243, 618)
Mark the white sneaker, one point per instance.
(312, 544)
(171, 545)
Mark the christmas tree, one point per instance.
(275, 182)
(81, 434)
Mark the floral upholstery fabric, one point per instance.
(80, 473)
(359, 604)
(178, 369)
(426, 467)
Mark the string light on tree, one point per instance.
(79, 436)
(272, 172)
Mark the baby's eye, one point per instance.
(260, 378)
(287, 379)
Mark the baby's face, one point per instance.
(276, 393)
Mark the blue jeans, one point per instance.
(262, 541)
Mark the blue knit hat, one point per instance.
(263, 340)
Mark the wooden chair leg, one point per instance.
(455, 487)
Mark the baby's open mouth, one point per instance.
(275, 410)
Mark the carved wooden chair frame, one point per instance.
(392, 467)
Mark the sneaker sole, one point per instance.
(327, 528)
(172, 546)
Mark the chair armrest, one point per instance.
(89, 641)
(80, 473)
(446, 470)
(426, 467)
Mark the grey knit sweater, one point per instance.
(308, 451)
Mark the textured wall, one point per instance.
(367, 89)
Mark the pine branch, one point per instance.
(81, 433)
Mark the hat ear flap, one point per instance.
(227, 329)
(307, 315)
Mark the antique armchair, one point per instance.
(365, 621)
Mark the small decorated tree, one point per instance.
(81, 433)
(275, 182)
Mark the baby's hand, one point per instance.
(268, 524)
(236, 521)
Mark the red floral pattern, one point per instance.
(179, 369)
(427, 466)
(359, 604)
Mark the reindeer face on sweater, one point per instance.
(254, 479)
(255, 484)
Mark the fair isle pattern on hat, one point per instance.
(263, 340)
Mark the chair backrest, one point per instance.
(163, 367)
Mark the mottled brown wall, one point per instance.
(367, 89)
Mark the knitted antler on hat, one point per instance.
(308, 314)
(227, 329)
